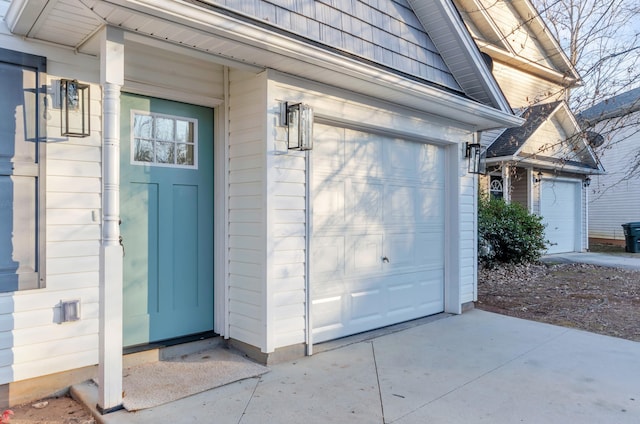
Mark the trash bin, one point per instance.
(632, 236)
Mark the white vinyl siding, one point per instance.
(468, 235)
(246, 203)
(32, 342)
(523, 89)
(154, 72)
(614, 200)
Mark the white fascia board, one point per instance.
(528, 65)
(543, 33)
(541, 164)
(23, 14)
(459, 32)
(466, 110)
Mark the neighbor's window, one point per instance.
(496, 187)
(164, 140)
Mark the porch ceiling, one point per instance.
(230, 41)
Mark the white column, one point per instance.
(110, 345)
(506, 183)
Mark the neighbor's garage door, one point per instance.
(377, 255)
(559, 204)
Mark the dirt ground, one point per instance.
(588, 297)
(58, 410)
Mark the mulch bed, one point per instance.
(588, 297)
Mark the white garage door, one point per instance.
(559, 203)
(377, 255)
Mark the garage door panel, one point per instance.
(365, 254)
(328, 257)
(392, 207)
(363, 154)
(430, 248)
(558, 207)
(365, 306)
(431, 165)
(328, 149)
(328, 204)
(401, 249)
(430, 201)
(327, 314)
(399, 203)
(366, 201)
(402, 159)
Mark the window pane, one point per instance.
(143, 150)
(143, 126)
(185, 154)
(164, 129)
(164, 152)
(184, 131)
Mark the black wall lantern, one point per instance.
(473, 154)
(298, 118)
(75, 109)
(538, 177)
(586, 182)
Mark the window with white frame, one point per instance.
(496, 187)
(164, 140)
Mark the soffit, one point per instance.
(184, 26)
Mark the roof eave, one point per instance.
(545, 165)
(372, 80)
(432, 14)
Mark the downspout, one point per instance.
(227, 323)
(308, 321)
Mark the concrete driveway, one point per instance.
(477, 367)
(628, 261)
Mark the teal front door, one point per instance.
(166, 203)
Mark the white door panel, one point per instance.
(559, 202)
(377, 233)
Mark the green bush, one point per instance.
(508, 233)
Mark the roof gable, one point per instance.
(425, 39)
(550, 134)
(386, 32)
(514, 32)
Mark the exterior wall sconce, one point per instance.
(298, 118)
(472, 153)
(538, 177)
(75, 108)
(586, 182)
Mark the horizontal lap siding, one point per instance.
(468, 235)
(32, 343)
(288, 220)
(246, 208)
(614, 200)
(523, 89)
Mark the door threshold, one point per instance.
(170, 348)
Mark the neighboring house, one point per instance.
(177, 208)
(545, 164)
(616, 194)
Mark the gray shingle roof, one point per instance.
(510, 141)
(613, 107)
